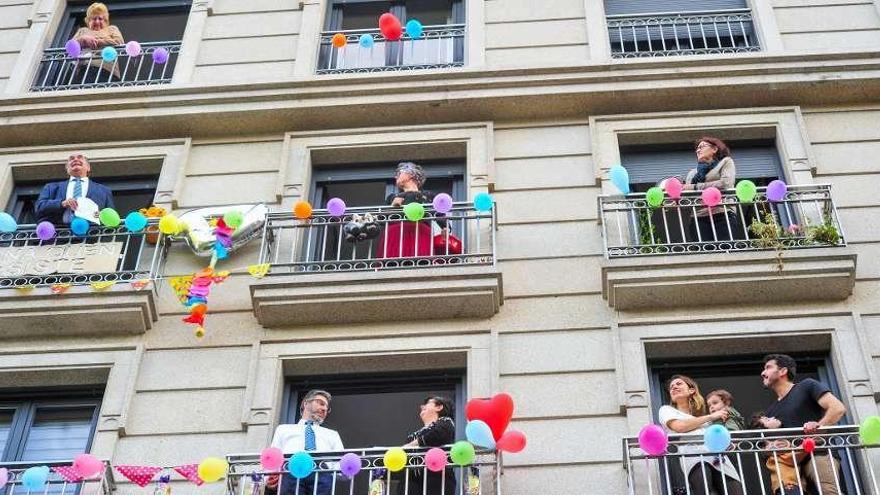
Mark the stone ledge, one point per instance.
(78, 312)
(813, 274)
(356, 297)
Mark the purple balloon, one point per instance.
(653, 440)
(133, 48)
(336, 207)
(160, 56)
(442, 203)
(350, 464)
(45, 231)
(73, 48)
(776, 190)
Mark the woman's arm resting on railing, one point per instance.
(690, 424)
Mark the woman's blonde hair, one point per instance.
(95, 9)
(696, 402)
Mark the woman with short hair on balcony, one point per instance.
(715, 168)
(97, 33)
(439, 430)
(687, 414)
(404, 238)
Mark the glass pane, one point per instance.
(6, 416)
(363, 15)
(429, 12)
(58, 433)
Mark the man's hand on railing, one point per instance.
(811, 427)
(272, 481)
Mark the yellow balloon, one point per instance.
(395, 459)
(212, 469)
(169, 225)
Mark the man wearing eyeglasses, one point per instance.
(59, 201)
(307, 435)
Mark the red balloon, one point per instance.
(390, 27)
(495, 412)
(809, 445)
(513, 441)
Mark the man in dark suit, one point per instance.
(58, 200)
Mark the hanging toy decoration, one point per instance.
(196, 296)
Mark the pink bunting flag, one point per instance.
(190, 472)
(69, 474)
(139, 475)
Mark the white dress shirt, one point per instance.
(291, 438)
(71, 183)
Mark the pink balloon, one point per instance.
(435, 459)
(673, 188)
(511, 441)
(87, 465)
(711, 197)
(133, 48)
(4, 477)
(271, 459)
(653, 440)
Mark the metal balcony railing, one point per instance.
(57, 484)
(58, 71)
(439, 47)
(806, 217)
(104, 255)
(246, 477)
(693, 33)
(757, 456)
(291, 245)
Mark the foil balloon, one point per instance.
(202, 237)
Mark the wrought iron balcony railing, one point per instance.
(693, 33)
(104, 255)
(806, 217)
(439, 47)
(759, 458)
(56, 484)
(58, 71)
(246, 476)
(319, 244)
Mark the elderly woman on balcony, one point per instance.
(686, 414)
(407, 239)
(715, 168)
(97, 34)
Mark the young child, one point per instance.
(722, 399)
(781, 466)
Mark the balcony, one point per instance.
(749, 453)
(316, 276)
(654, 257)
(71, 285)
(693, 33)
(439, 47)
(58, 71)
(245, 470)
(56, 484)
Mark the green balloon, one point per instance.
(233, 219)
(654, 197)
(414, 211)
(746, 191)
(109, 217)
(462, 453)
(869, 431)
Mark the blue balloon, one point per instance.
(108, 54)
(414, 29)
(301, 465)
(483, 202)
(79, 226)
(366, 40)
(34, 478)
(620, 178)
(7, 223)
(135, 221)
(716, 439)
(479, 433)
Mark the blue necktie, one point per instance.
(310, 441)
(77, 188)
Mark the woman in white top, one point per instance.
(687, 414)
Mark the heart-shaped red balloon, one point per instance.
(512, 441)
(495, 412)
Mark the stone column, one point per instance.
(42, 25)
(192, 37)
(309, 37)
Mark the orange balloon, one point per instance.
(302, 210)
(338, 40)
(199, 309)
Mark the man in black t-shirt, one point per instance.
(807, 404)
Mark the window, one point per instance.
(442, 44)
(640, 28)
(156, 24)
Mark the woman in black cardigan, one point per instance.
(439, 430)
